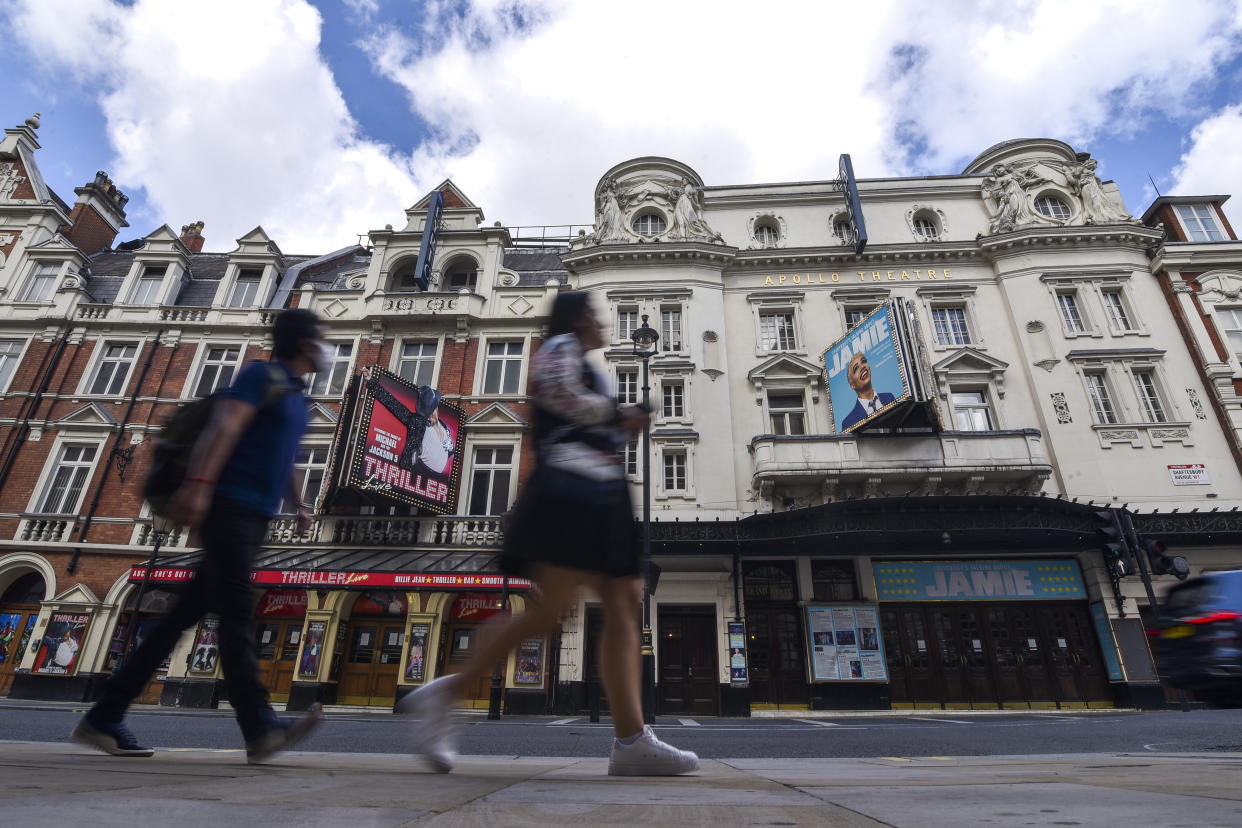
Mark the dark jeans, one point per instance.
(231, 536)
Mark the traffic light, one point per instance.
(1116, 551)
(1162, 563)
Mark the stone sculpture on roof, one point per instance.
(678, 198)
(1013, 187)
(1097, 207)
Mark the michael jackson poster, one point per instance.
(397, 442)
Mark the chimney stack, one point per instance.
(192, 236)
(97, 216)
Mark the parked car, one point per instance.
(1198, 637)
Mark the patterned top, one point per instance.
(575, 418)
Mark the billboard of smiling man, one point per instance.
(865, 372)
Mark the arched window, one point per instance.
(402, 275)
(766, 234)
(650, 224)
(925, 227)
(841, 229)
(461, 273)
(28, 589)
(1052, 207)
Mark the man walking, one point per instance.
(239, 469)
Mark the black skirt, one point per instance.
(597, 538)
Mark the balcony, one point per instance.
(854, 465)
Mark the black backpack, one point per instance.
(171, 456)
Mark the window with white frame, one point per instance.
(843, 232)
(310, 464)
(112, 370)
(1071, 314)
(787, 413)
(219, 364)
(417, 362)
(675, 471)
(971, 410)
(63, 491)
(674, 394)
(462, 273)
(1149, 395)
(627, 323)
(649, 224)
(1052, 207)
(332, 381)
(1101, 397)
(776, 331)
(502, 370)
(490, 480)
(950, 326)
(855, 315)
(1229, 320)
(10, 352)
(925, 228)
(766, 234)
(1115, 309)
(147, 290)
(627, 386)
(41, 282)
(1200, 222)
(629, 456)
(246, 289)
(670, 335)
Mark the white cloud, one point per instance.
(1211, 164)
(535, 113)
(226, 112)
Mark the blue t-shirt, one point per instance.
(257, 475)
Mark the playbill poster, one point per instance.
(845, 643)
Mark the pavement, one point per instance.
(59, 784)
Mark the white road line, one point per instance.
(689, 723)
(938, 719)
(563, 721)
(817, 722)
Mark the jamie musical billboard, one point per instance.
(404, 445)
(866, 372)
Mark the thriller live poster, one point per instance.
(398, 442)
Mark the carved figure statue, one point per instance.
(1096, 206)
(609, 223)
(1006, 187)
(687, 214)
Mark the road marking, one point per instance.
(817, 722)
(563, 721)
(689, 723)
(894, 759)
(938, 719)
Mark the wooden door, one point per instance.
(916, 680)
(463, 641)
(1077, 668)
(1034, 669)
(276, 645)
(687, 680)
(777, 665)
(16, 625)
(372, 661)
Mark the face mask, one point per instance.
(322, 357)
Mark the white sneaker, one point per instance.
(431, 707)
(648, 756)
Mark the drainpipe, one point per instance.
(23, 428)
(115, 450)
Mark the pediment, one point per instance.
(497, 415)
(91, 414)
(164, 240)
(320, 414)
(784, 366)
(77, 594)
(1220, 285)
(257, 243)
(454, 198)
(968, 359)
(55, 242)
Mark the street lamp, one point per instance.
(161, 527)
(645, 340)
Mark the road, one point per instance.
(957, 734)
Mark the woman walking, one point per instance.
(573, 527)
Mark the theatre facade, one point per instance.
(893, 416)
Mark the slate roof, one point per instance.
(535, 266)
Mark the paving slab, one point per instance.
(66, 784)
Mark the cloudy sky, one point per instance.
(322, 119)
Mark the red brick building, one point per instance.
(100, 342)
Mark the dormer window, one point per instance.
(147, 290)
(42, 281)
(1200, 222)
(245, 289)
(649, 224)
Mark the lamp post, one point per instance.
(160, 529)
(645, 339)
